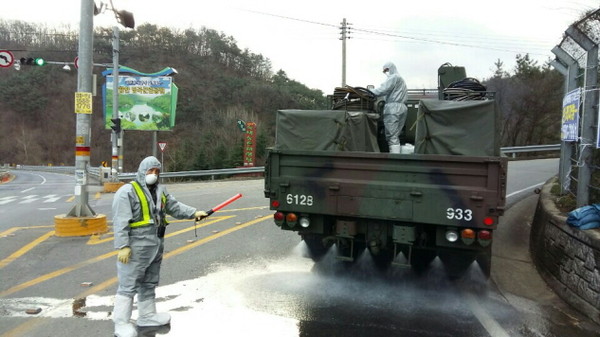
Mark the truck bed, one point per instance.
(409, 188)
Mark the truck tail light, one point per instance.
(279, 218)
(488, 221)
(275, 204)
(291, 219)
(484, 237)
(467, 236)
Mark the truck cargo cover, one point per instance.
(326, 130)
(458, 128)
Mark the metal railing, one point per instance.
(96, 172)
(528, 148)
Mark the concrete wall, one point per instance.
(568, 259)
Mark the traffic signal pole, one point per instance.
(84, 84)
(82, 220)
(116, 118)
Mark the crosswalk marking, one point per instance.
(28, 199)
(34, 198)
(6, 200)
(51, 198)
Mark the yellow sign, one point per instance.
(83, 102)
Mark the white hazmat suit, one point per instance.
(395, 110)
(139, 271)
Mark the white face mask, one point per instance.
(151, 179)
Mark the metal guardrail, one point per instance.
(200, 173)
(95, 172)
(529, 148)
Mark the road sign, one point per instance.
(6, 58)
(76, 62)
(162, 146)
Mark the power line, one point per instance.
(407, 37)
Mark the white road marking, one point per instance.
(487, 321)
(523, 190)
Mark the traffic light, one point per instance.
(30, 61)
(116, 124)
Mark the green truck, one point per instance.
(327, 180)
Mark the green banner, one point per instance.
(145, 103)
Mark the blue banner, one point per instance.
(569, 132)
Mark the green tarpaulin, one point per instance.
(458, 127)
(326, 130)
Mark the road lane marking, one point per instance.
(523, 190)
(31, 324)
(27, 190)
(95, 289)
(487, 321)
(99, 258)
(96, 239)
(25, 249)
(6, 200)
(14, 229)
(55, 273)
(71, 198)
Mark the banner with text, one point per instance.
(145, 103)
(569, 131)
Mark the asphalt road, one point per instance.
(236, 274)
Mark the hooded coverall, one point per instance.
(395, 110)
(141, 274)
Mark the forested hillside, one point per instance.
(218, 84)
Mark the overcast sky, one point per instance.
(302, 37)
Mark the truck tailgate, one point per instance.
(414, 188)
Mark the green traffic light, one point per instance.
(40, 61)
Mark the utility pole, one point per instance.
(345, 31)
(84, 85)
(82, 220)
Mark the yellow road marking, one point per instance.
(176, 252)
(25, 249)
(14, 229)
(95, 239)
(98, 195)
(55, 273)
(33, 323)
(82, 264)
(71, 198)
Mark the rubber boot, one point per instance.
(122, 315)
(148, 315)
(395, 148)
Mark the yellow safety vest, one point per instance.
(145, 206)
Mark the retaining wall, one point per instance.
(568, 258)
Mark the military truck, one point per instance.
(327, 179)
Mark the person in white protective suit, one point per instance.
(395, 110)
(139, 212)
